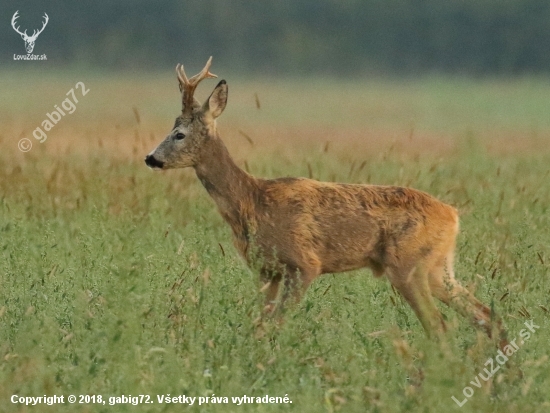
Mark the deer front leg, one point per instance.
(292, 282)
(296, 282)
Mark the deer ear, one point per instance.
(215, 104)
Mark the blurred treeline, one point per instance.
(334, 37)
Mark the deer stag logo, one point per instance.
(29, 40)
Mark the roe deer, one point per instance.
(301, 228)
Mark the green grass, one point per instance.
(113, 282)
(118, 281)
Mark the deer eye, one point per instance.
(180, 136)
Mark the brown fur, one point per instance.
(296, 229)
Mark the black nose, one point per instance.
(152, 162)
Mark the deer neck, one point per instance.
(231, 188)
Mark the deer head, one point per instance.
(29, 40)
(185, 144)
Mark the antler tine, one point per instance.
(46, 20)
(180, 72)
(204, 73)
(36, 32)
(14, 18)
(13, 23)
(188, 86)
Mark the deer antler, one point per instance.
(24, 34)
(188, 86)
(13, 23)
(36, 33)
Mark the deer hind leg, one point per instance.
(413, 286)
(448, 290)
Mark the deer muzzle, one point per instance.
(153, 162)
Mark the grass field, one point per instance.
(115, 280)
